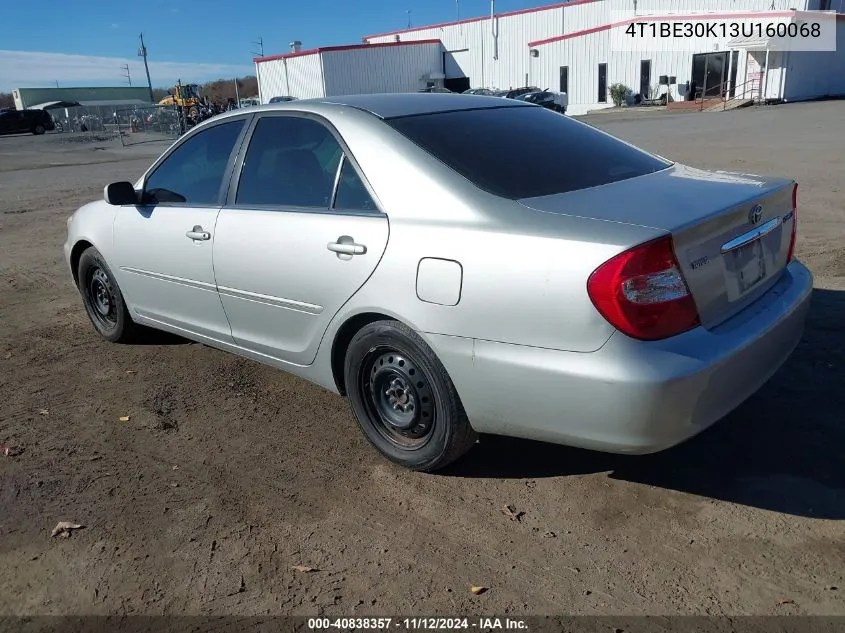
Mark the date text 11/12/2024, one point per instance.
(418, 624)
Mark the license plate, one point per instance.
(749, 265)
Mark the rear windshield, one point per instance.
(524, 152)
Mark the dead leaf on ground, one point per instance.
(478, 590)
(124, 418)
(8, 355)
(63, 528)
(512, 514)
(10, 451)
(781, 601)
(44, 411)
(304, 568)
(131, 371)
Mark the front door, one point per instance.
(302, 236)
(163, 247)
(708, 73)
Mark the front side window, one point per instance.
(194, 172)
(291, 161)
(524, 152)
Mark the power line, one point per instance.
(260, 44)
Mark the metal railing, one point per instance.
(727, 91)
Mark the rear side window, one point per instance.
(525, 152)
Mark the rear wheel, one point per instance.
(403, 399)
(38, 129)
(103, 300)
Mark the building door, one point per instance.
(708, 73)
(602, 83)
(457, 84)
(645, 77)
(564, 79)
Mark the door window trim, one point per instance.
(237, 148)
(346, 155)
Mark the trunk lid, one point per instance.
(731, 231)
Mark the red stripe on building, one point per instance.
(666, 18)
(548, 7)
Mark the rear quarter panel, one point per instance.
(524, 272)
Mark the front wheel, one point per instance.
(403, 399)
(103, 300)
(38, 130)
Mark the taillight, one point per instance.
(642, 292)
(791, 253)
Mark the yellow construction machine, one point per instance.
(186, 96)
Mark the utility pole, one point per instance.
(458, 10)
(260, 44)
(237, 95)
(125, 69)
(142, 52)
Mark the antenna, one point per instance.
(260, 44)
(458, 10)
(125, 69)
(408, 11)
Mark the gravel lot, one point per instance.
(229, 473)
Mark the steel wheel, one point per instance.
(101, 298)
(398, 398)
(403, 399)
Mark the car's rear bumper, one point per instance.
(629, 396)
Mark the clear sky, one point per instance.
(86, 42)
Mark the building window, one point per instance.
(564, 79)
(602, 83)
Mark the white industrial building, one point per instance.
(343, 70)
(568, 47)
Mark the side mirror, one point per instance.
(120, 193)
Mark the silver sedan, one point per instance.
(456, 265)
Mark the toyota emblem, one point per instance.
(756, 214)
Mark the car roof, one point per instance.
(389, 106)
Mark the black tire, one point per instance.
(403, 399)
(103, 300)
(38, 130)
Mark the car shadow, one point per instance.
(151, 337)
(782, 450)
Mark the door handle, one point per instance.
(345, 245)
(197, 233)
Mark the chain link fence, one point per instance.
(84, 123)
(149, 124)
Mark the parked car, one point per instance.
(513, 93)
(435, 89)
(545, 98)
(484, 92)
(19, 121)
(281, 99)
(424, 257)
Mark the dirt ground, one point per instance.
(230, 473)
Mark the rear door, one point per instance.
(301, 233)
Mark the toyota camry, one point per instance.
(423, 256)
